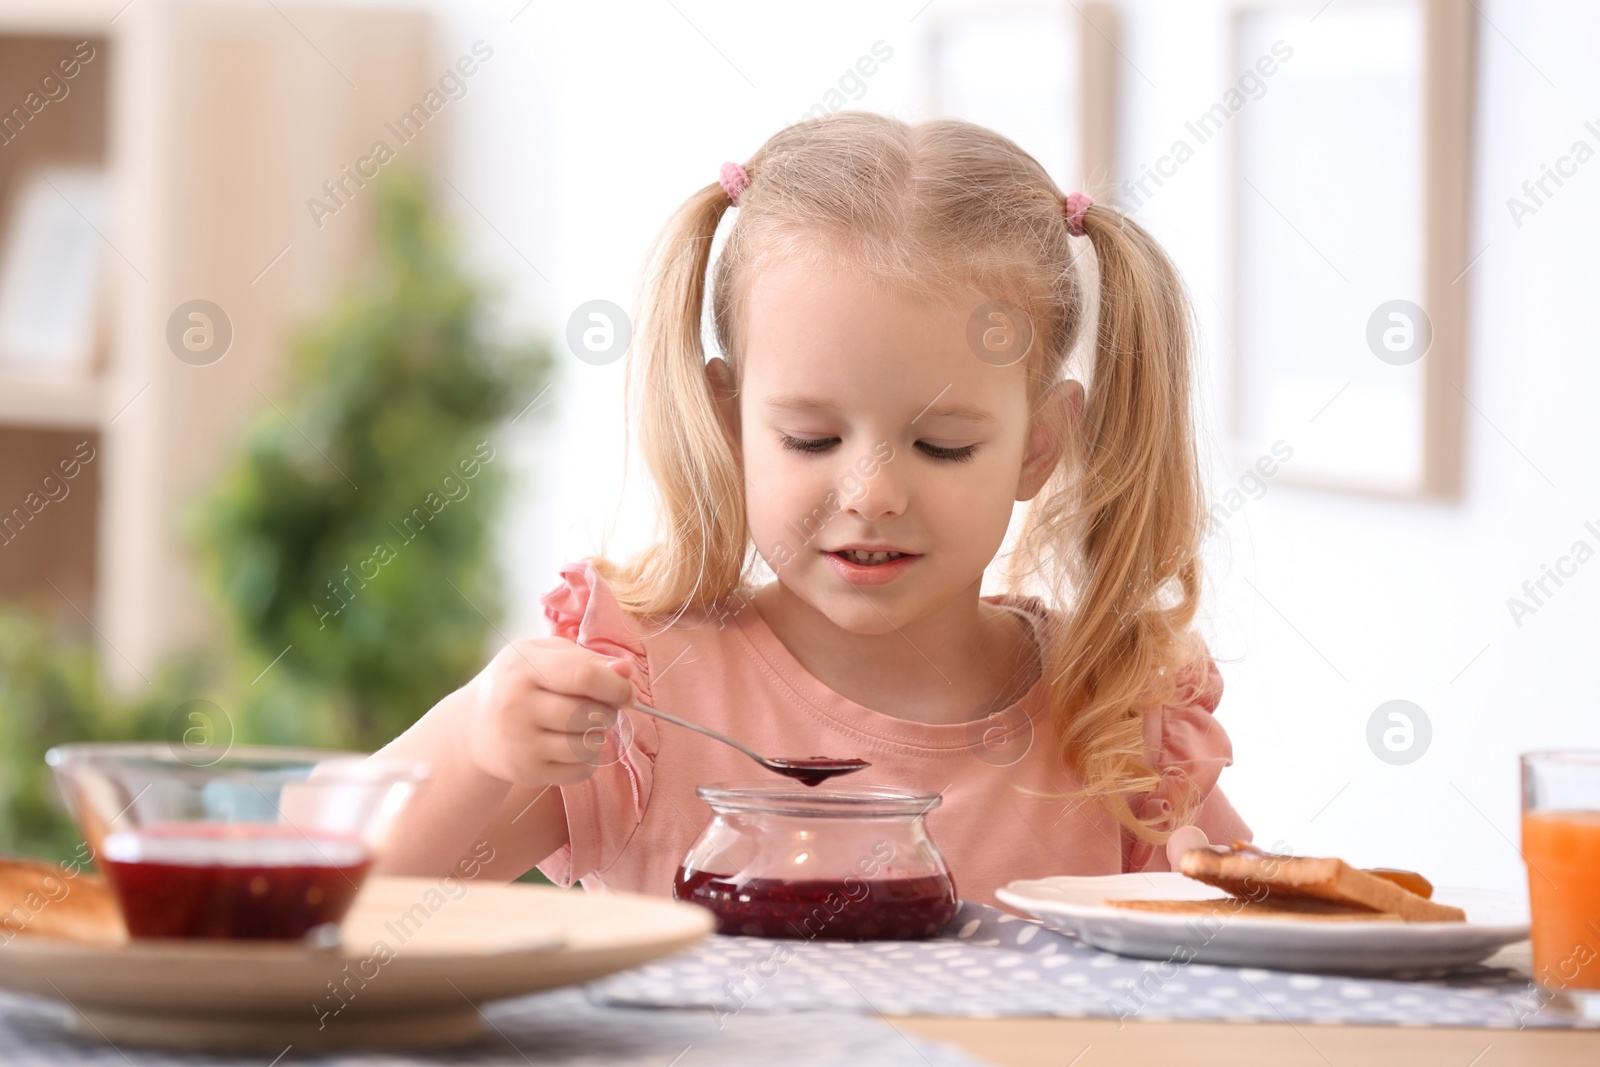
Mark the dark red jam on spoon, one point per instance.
(817, 769)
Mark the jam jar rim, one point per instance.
(829, 802)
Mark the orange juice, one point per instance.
(1563, 853)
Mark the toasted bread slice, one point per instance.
(1257, 876)
(1405, 879)
(1300, 908)
(40, 899)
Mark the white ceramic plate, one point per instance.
(446, 947)
(1075, 906)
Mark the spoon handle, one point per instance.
(697, 728)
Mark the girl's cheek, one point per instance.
(976, 499)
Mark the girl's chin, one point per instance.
(864, 612)
(869, 611)
(861, 620)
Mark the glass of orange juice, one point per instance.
(1561, 844)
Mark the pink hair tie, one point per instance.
(1077, 204)
(734, 182)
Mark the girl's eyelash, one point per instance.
(955, 455)
(822, 444)
(808, 444)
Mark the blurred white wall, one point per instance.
(594, 121)
(1328, 605)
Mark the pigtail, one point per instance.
(1130, 506)
(945, 208)
(686, 446)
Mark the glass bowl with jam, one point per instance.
(257, 843)
(843, 863)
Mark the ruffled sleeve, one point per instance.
(1186, 744)
(583, 609)
(605, 809)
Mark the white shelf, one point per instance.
(44, 402)
(173, 107)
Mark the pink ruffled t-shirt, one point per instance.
(632, 822)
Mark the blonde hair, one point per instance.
(944, 207)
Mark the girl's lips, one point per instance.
(874, 574)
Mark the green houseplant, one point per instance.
(350, 541)
(347, 543)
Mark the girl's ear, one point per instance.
(1048, 433)
(720, 377)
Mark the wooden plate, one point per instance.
(415, 959)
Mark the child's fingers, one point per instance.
(546, 708)
(550, 740)
(560, 666)
(575, 750)
(581, 727)
(575, 721)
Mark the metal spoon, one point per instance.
(811, 771)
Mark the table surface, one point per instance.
(1036, 1042)
(1033, 1042)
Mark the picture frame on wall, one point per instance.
(1349, 244)
(1042, 72)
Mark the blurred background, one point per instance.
(303, 399)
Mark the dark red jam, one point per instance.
(222, 880)
(816, 769)
(854, 909)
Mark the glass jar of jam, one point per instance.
(842, 862)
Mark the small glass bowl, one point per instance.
(259, 843)
(843, 862)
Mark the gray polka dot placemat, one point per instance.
(990, 963)
(561, 1029)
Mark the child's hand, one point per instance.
(536, 715)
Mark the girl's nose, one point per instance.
(879, 495)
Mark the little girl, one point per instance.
(896, 306)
